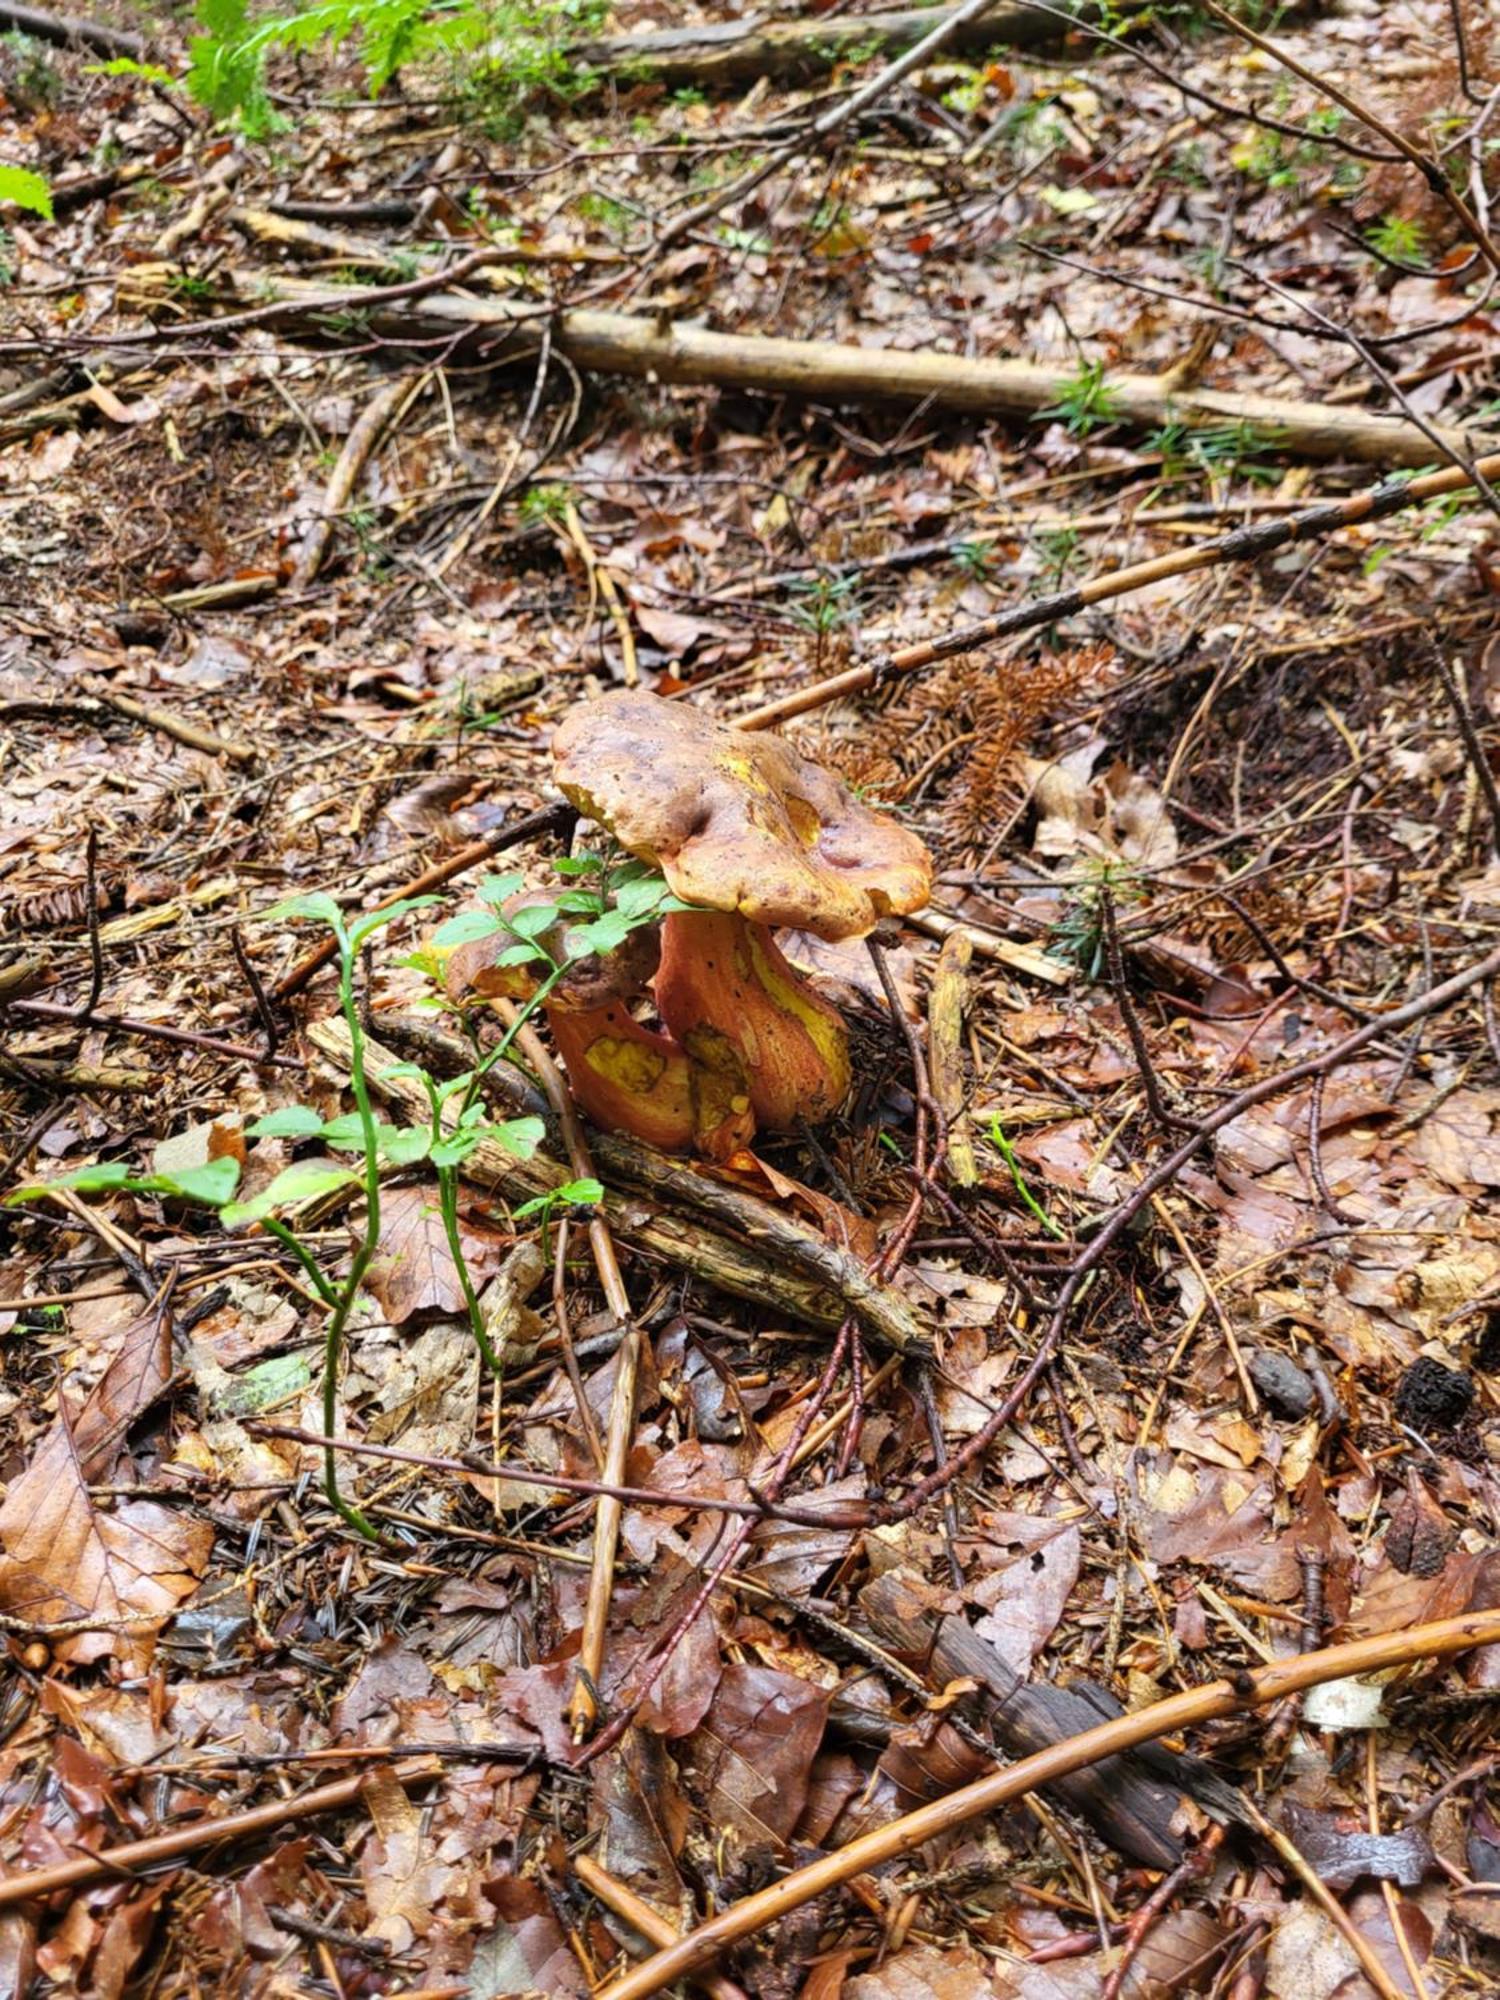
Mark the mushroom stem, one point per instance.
(719, 972)
(627, 1078)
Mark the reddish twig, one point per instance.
(1249, 1689)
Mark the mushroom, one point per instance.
(755, 835)
(624, 1076)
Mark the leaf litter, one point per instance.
(1276, 1421)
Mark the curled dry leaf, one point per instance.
(66, 1558)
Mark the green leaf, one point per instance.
(88, 1180)
(581, 903)
(378, 919)
(584, 1193)
(498, 889)
(404, 1145)
(266, 1384)
(455, 1149)
(534, 919)
(292, 1121)
(317, 905)
(212, 1184)
(347, 1132)
(639, 899)
(604, 935)
(522, 954)
(520, 1137)
(128, 66)
(579, 864)
(465, 927)
(298, 1182)
(24, 189)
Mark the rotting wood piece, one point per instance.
(1131, 1800)
(628, 344)
(783, 1268)
(67, 32)
(719, 55)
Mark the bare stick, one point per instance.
(1240, 545)
(532, 826)
(363, 437)
(832, 120)
(1246, 1690)
(583, 1707)
(210, 1831)
(641, 1917)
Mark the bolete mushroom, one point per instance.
(624, 1075)
(757, 837)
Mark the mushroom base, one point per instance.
(627, 1078)
(720, 973)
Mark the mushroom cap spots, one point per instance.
(737, 821)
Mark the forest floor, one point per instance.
(1201, 836)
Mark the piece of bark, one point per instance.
(1130, 1801)
(625, 344)
(785, 1268)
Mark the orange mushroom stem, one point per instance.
(627, 1078)
(722, 974)
(687, 1096)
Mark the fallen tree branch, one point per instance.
(364, 434)
(633, 345)
(1239, 545)
(1246, 1690)
(1134, 1802)
(736, 52)
(67, 32)
(781, 1266)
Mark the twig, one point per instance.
(1463, 715)
(364, 435)
(91, 899)
(1160, 1176)
(946, 1002)
(831, 121)
(66, 30)
(1246, 1690)
(211, 1831)
(1438, 184)
(1393, 496)
(257, 991)
(582, 1707)
(602, 584)
(641, 1917)
(1324, 1897)
(1145, 1068)
(1194, 1864)
(123, 1024)
(565, 1343)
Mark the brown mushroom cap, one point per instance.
(737, 821)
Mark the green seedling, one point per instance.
(580, 1194)
(1029, 1201)
(1085, 403)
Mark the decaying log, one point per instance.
(833, 371)
(69, 33)
(1130, 1800)
(780, 1266)
(716, 55)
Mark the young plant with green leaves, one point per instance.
(1086, 403)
